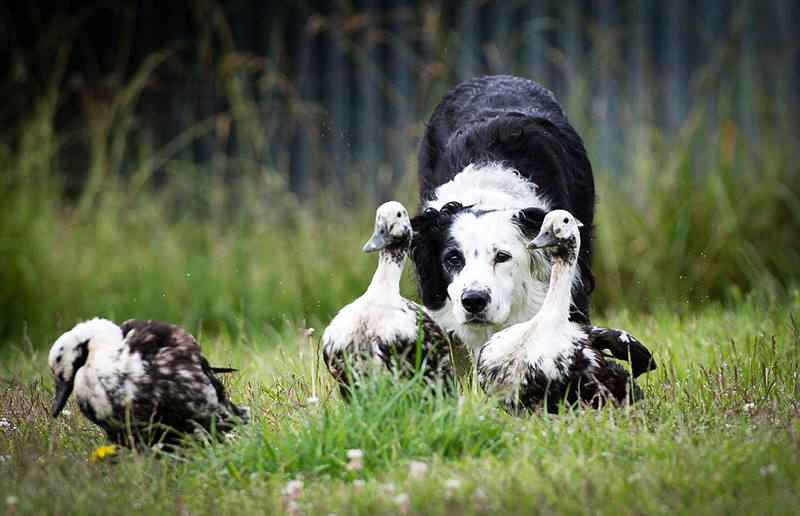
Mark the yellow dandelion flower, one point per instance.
(104, 452)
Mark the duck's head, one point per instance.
(70, 351)
(392, 228)
(560, 232)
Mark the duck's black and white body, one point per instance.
(381, 328)
(148, 373)
(548, 359)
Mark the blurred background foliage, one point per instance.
(217, 164)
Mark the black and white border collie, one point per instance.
(497, 154)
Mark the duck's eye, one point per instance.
(566, 220)
(501, 257)
(453, 258)
(398, 215)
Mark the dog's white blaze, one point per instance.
(519, 286)
(516, 287)
(489, 186)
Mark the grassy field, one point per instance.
(718, 432)
(697, 254)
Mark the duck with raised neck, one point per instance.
(549, 361)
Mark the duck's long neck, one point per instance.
(386, 279)
(559, 293)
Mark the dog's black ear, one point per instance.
(529, 221)
(426, 248)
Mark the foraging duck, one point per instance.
(548, 359)
(149, 373)
(382, 327)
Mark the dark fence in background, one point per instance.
(336, 93)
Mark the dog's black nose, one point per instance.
(474, 300)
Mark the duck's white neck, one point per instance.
(559, 294)
(386, 279)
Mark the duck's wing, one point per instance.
(436, 343)
(623, 346)
(151, 335)
(177, 380)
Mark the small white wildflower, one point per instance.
(387, 488)
(311, 400)
(452, 483)
(451, 486)
(292, 507)
(230, 436)
(479, 494)
(749, 408)
(402, 501)
(5, 424)
(66, 412)
(358, 485)
(355, 455)
(293, 489)
(769, 469)
(12, 500)
(417, 469)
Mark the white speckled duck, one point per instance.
(548, 359)
(382, 328)
(148, 373)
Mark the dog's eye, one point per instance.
(453, 259)
(501, 257)
(566, 220)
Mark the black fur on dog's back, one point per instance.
(518, 123)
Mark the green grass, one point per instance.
(697, 254)
(718, 431)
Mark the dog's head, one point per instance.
(475, 263)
